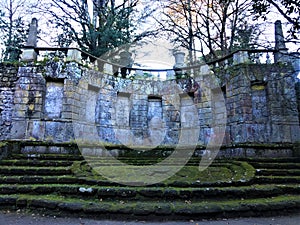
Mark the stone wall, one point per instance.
(59, 103)
(28, 101)
(262, 104)
(298, 96)
(8, 76)
(35, 105)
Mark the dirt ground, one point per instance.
(22, 218)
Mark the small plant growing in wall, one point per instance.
(56, 59)
(181, 75)
(3, 144)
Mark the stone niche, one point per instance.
(122, 110)
(260, 115)
(154, 108)
(91, 103)
(187, 111)
(54, 99)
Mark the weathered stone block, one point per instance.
(285, 133)
(29, 55)
(231, 153)
(69, 132)
(28, 149)
(275, 134)
(53, 100)
(54, 150)
(18, 130)
(295, 133)
(36, 130)
(55, 131)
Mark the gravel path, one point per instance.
(20, 218)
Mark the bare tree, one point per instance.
(213, 25)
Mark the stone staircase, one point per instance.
(64, 184)
(280, 171)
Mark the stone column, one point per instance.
(281, 55)
(32, 36)
(29, 53)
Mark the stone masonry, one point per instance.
(62, 101)
(298, 96)
(8, 77)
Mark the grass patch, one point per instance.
(230, 171)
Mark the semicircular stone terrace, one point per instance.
(45, 103)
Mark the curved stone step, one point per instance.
(35, 163)
(260, 165)
(36, 179)
(151, 193)
(30, 183)
(278, 172)
(15, 170)
(161, 209)
(66, 157)
(145, 161)
(276, 179)
(272, 160)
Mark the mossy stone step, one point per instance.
(151, 193)
(276, 180)
(15, 170)
(107, 161)
(35, 179)
(271, 160)
(71, 179)
(259, 165)
(278, 172)
(101, 162)
(163, 209)
(194, 161)
(35, 163)
(66, 157)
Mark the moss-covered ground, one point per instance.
(189, 175)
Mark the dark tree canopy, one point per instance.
(114, 23)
